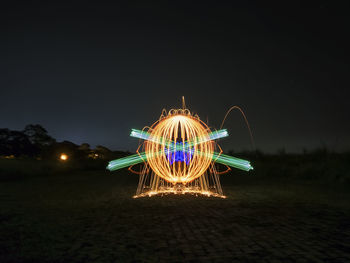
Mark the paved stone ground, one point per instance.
(86, 219)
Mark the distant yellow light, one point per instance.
(64, 157)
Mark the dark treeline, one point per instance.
(35, 142)
(34, 151)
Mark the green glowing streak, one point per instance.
(142, 157)
(170, 144)
(217, 157)
(126, 161)
(147, 136)
(232, 161)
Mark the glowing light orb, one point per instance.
(187, 162)
(179, 153)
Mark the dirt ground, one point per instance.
(92, 217)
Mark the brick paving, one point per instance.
(225, 231)
(190, 229)
(107, 225)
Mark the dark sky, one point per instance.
(89, 72)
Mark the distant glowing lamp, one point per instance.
(64, 157)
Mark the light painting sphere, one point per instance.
(179, 149)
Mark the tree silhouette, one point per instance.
(38, 135)
(16, 143)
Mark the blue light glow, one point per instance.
(185, 153)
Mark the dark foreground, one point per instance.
(91, 217)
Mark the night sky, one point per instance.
(89, 72)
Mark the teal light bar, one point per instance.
(147, 136)
(139, 158)
(217, 157)
(232, 161)
(126, 161)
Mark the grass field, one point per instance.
(74, 215)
